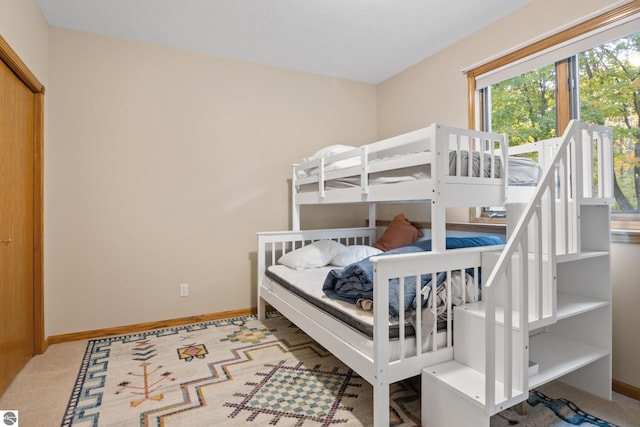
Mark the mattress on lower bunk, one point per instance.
(307, 284)
(522, 172)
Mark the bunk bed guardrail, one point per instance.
(452, 159)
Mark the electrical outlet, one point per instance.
(184, 289)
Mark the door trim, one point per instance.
(15, 64)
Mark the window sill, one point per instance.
(487, 220)
(475, 217)
(625, 236)
(477, 227)
(625, 227)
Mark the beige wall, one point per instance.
(626, 315)
(24, 28)
(435, 90)
(163, 166)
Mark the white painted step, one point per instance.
(469, 384)
(469, 340)
(443, 405)
(568, 305)
(476, 309)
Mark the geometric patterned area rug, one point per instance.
(236, 371)
(243, 372)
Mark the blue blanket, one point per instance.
(355, 281)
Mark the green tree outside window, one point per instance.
(608, 79)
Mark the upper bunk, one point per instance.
(431, 163)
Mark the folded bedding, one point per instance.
(522, 171)
(355, 281)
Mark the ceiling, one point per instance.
(362, 40)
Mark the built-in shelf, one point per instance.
(571, 305)
(597, 201)
(584, 254)
(557, 356)
(568, 305)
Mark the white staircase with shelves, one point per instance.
(545, 312)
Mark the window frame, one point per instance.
(625, 226)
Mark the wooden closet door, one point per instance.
(16, 225)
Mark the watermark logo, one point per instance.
(9, 418)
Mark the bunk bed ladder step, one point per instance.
(454, 392)
(454, 395)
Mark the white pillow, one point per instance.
(339, 164)
(343, 164)
(316, 254)
(350, 254)
(329, 151)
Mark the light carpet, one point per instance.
(242, 371)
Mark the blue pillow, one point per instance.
(462, 242)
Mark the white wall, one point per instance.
(163, 166)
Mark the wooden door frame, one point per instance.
(15, 64)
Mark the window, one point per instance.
(592, 75)
(609, 86)
(523, 107)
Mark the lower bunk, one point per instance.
(384, 340)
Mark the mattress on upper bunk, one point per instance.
(522, 172)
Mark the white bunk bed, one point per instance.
(445, 179)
